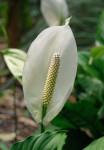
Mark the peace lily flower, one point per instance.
(49, 72)
(54, 11)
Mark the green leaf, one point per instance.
(89, 89)
(15, 59)
(101, 112)
(96, 145)
(83, 61)
(3, 146)
(76, 140)
(95, 69)
(100, 29)
(97, 52)
(80, 115)
(99, 66)
(45, 141)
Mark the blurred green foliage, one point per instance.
(88, 27)
(3, 146)
(85, 16)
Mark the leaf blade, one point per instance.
(15, 59)
(97, 144)
(48, 140)
(78, 115)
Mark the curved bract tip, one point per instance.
(67, 21)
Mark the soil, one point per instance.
(19, 123)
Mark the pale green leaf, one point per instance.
(3, 146)
(96, 145)
(97, 52)
(15, 59)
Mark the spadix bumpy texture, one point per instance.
(56, 39)
(51, 79)
(54, 11)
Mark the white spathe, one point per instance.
(54, 11)
(56, 39)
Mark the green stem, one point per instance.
(44, 109)
(5, 35)
(42, 128)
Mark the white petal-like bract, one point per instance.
(54, 11)
(56, 39)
